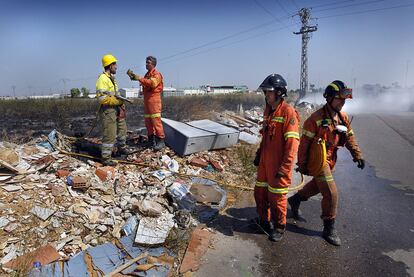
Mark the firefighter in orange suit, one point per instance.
(275, 157)
(153, 86)
(332, 126)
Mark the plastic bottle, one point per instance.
(36, 270)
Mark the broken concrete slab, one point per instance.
(150, 208)
(9, 156)
(11, 188)
(4, 221)
(42, 213)
(154, 231)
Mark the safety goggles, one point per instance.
(345, 93)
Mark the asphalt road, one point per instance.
(375, 217)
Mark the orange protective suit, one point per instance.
(321, 125)
(278, 149)
(153, 85)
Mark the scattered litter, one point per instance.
(161, 174)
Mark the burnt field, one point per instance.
(24, 119)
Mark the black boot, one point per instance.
(108, 162)
(294, 202)
(276, 234)
(159, 143)
(124, 151)
(329, 232)
(264, 224)
(150, 142)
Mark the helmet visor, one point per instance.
(345, 93)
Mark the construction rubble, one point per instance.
(77, 217)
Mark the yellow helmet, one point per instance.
(108, 59)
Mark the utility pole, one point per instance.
(406, 73)
(14, 91)
(64, 80)
(305, 31)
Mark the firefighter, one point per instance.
(153, 86)
(275, 157)
(111, 112)
(331, 127)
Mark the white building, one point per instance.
(225, 89)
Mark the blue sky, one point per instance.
(44, 42)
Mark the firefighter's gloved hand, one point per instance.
(131, 75)
(256, 161)
(361, 163)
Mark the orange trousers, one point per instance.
(270, 206)
(324, 184)
(152, 116)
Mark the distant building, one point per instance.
(51, 96)
(225, 89)
(170, 91)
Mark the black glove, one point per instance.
(256, 161)
(361, 163)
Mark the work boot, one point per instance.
(124, 151)
(329, 232)
(264, 224)
(159, 143)
(150, 142)
(109, 162)
(294, 202)
(276, 234)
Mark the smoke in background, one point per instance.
(374, 99)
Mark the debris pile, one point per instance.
(82, 212)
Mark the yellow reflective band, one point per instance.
(279, 119)
(291, 135)
(261, 184)
(351, 133)
(154, 115)
(319, 122)
(336, 88)
(328, 178)
(278, 190)
(308, 133)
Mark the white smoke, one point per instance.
(374, 99)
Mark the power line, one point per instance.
(222, 39)
(294, 4)
(332, 3)
(232, 43)
(367, 11)
(282, 7)
(351, 5)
